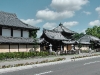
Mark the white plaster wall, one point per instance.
(65, 48)
(84, 48)
(29, 47)
(4, 48)
(38, 49)
(76, 47)
(16, 33)
(6, 32)
(26, 34)
(22, 48)
(13, 48)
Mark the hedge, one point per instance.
(12, 55)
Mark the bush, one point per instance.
(10, 55)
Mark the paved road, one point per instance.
(83, 67)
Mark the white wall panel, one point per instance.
(26, 34)
(16, 33)
(6, 32)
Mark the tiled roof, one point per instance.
(54, 35)
(10, 19)
(62, 28)
(87, 38)
(16, 40)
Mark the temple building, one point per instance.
(87, 40)
(60, 38)
(15, 36)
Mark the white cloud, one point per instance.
(62, 9)
(98, 10)
(52, 15)
(31, 21)
(70, 24)
(87, 13)
(69, 5)
(96, 22)
(49, 25)
(39, 33)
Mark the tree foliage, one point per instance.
(33, 34)
(36, 45)
(94, 31)
(78, 35)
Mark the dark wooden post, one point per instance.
(12, 32)
(0, 30)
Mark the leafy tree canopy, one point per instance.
(94, 31)
(78, 35)
(33, 34)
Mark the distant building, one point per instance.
(14, 34)
(60, 38)
(86, 40)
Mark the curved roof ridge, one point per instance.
(62, 28)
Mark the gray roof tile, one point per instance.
(41, 40)
(87, 38)
(15, 40)
(54, 35)
(10, 19)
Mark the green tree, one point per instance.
(93, 43)
(36, 45)
(94, 31)
(33, 34)
(78, 35)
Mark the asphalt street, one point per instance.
(81, 67)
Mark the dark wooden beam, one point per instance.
(0, 30)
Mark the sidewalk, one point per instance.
(39, 59)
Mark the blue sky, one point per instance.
(76, 15)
